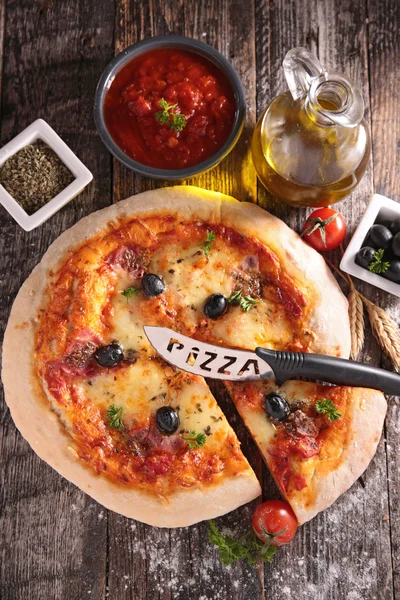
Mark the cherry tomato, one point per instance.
(324, 229)
(274, 516)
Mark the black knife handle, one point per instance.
(328, 368)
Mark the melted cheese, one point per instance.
(147, 385)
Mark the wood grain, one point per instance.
(384, 69)
(56, 543)
(53, 538)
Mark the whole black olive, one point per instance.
(109, 356)
(380, 237)
(395, 226)
(393, 272)
(152, 285)
(167, 420)
(396, 245)
(215, 306)
(365, 256)
(385, 222)
(367, 241)
(277, 407)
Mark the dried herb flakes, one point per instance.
(34, 175)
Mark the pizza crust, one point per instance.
(42, 428)
(368, 415)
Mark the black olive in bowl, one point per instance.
(396, 245)
(395, 226)
(393, 272)
(380, 237)
(365, 256)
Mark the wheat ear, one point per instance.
(385, 331)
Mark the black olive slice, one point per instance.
(167, 420)
(215, 306)
(110, 355)
(152, 285)
(276, 407)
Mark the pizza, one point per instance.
(95, 400)
(315, 439)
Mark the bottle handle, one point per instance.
(301, 67)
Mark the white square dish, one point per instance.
(381, 208)
(40, 130)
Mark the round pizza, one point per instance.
(95, 400)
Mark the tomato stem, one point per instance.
(319, 224)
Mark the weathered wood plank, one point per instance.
(384, 52)
(53, 536)
(344, 552)
(2, 37)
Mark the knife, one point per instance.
(230, 364)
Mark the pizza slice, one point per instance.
(315, 439)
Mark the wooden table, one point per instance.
(57, 543)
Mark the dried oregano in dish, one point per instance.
(34, 175)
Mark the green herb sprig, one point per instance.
(378, 264)
(328, 408)
(114, 415)
(248, 547)
(207, 244)
(130, 291)
(167, 116)
(194, 440)
(245, 302)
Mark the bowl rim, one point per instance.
(153, 43)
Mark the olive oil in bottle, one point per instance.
(311, 145)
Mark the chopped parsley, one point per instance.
(245, 302)
(327, 407)
(194, 440)
(167, 116)
(248, 546)
(130, 291)
(114, 415)
(207, 244)
(378, 264)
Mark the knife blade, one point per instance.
(217, 362)
(205, 359)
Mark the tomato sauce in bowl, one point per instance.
(169, 108)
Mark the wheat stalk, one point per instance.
(385, 331)
(356, 313)
(384, 328)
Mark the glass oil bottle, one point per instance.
(311, 145)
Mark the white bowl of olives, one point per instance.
(373, 253)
